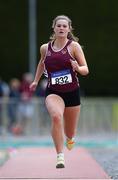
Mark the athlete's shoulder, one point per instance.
(43, 47)
(75, 43)
(76, 46)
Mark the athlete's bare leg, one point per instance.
(71, 117)
(55, 106)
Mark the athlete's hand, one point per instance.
(74, 65)
(33, 86)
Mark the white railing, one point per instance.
(98, 115)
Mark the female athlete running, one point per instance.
(62, 58)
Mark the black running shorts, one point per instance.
(70, 98)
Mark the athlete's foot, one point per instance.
(70, 143)
(60, 160)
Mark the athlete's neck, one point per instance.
(59, 43)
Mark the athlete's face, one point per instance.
(61, 28)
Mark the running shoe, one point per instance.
(60, 160)
(70, 143)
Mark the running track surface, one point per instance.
(39, 163)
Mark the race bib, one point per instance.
(61, 77)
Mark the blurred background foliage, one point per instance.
(95, 22)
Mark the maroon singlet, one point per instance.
(61, 76)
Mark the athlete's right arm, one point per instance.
(40, 68)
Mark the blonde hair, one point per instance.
(70, 34)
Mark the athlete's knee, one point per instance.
(57, 118)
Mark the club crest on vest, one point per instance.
(64, 51)
(48, 53)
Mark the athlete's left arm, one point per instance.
(80, 65)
